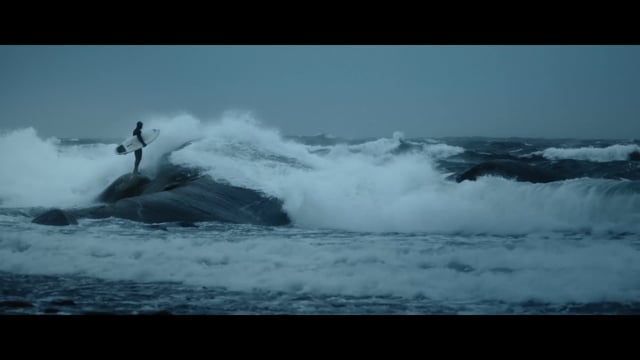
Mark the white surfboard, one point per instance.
(133, 144)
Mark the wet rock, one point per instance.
(55, 217)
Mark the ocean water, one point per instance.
(379, 226)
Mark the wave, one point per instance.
(368, 186)
(617, 152)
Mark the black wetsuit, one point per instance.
(138, 153)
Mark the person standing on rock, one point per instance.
(138, 132)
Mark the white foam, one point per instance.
(442, 268)
(442, 151)
(616, 152)
(39, 172)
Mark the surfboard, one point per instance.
(132, 143)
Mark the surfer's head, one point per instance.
(139, 125)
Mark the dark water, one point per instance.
(69, 295)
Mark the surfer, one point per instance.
(137, 132)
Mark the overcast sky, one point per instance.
(351, 91)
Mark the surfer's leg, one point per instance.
(138, 154)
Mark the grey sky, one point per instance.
(352, 91)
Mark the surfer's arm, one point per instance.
(140, 138)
